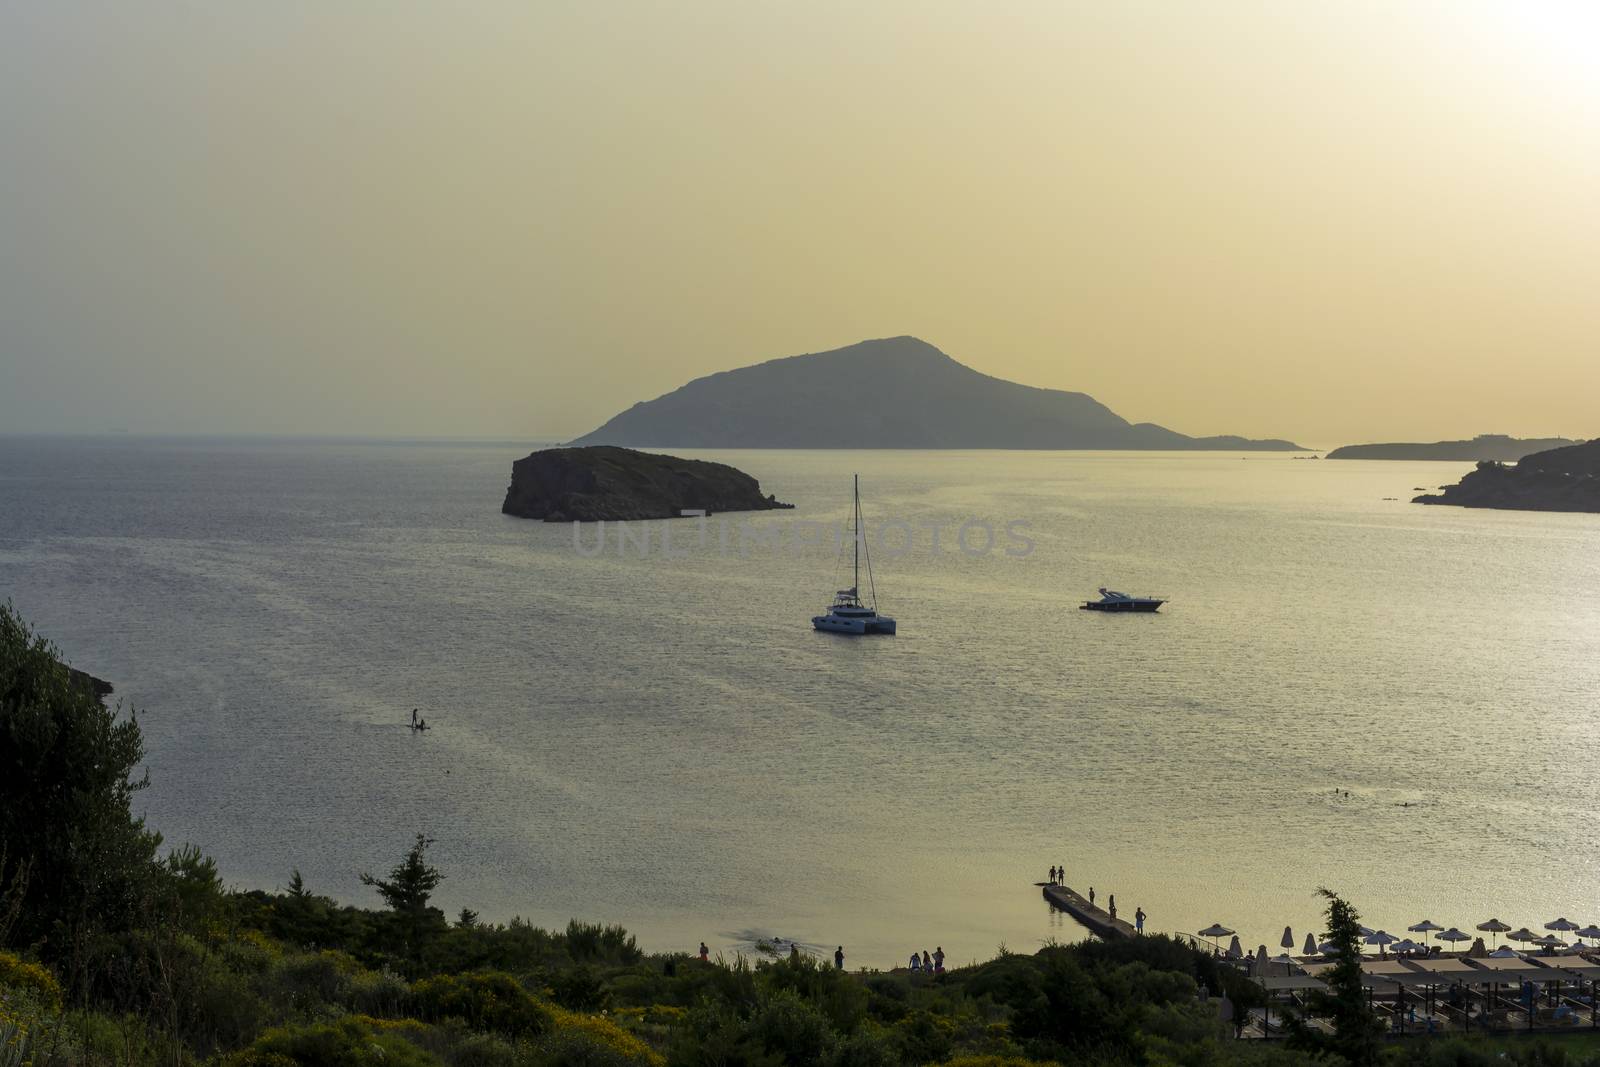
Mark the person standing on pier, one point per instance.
(1052, 876)
(1138, 920)
(838, 958)
(1091, 896)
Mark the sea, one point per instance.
(638, 725)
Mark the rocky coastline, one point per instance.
(604, 482)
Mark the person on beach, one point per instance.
(1138, 920)
(413, 716)
(1111, 905)
(1061, 874)
(705, 953)
(1052, 876)
(1091, 896)
(938, 959)
(916, 963)
(838, 958)
(927, 961)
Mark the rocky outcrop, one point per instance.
(100, 689)
(604, 482)
(1561, 479)
(895, 392)
(1486, 446)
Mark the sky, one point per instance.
(1326, 222)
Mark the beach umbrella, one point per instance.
(1407, 945)
(1235, 950)
(1590, 931)
(1380, 938)
(1328, 948)
(1505, 952)
(1311, 945)
(1564, 925)
(1214, 931)
(1453, 935)
(1550, 941)
(1426, 926)
(1288, 940)
(1494, 926)
(1284, 957)
(1523, 934)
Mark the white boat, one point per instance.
(847, 614)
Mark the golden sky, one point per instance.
(1332, 222)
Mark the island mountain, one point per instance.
(1562, 479)
(1486, 446)
(898, 392)
(598, 483)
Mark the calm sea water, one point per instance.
(662, 741)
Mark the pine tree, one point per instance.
(1357, 1029)
(407, 890)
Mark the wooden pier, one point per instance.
(1096, 920)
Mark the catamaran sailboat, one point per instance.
(847, 614)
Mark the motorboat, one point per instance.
(1111, 600)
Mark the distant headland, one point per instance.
(602, 482)
(1486, 446)
(897, 392)
(1561, 479)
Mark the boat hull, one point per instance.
(1123, 605)
(855, 627)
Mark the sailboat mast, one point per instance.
(856, 579)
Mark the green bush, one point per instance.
(488, 1000)
(579, 989)
(18, 973)
(346, 1043)
(381, 993)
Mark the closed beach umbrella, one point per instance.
(1261, 953)
(1494, 926)
(1311, 944)
(1235, 950)
(1426, 926)
(1453, 935)
(1287, 944)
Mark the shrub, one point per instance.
(577, 1040)
(489, 1000)
(792, 1029)
(376, 993)
(579, 989)
(18, 973)
(347, 1043)
(609, 944)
